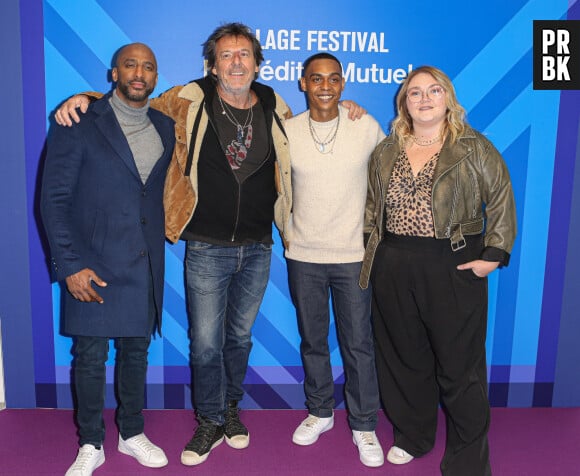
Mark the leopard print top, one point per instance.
(408, 201)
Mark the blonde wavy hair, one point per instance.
(402, 125)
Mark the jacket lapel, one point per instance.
(392, 150)
(107, 123)
(450, 156)
(165, 133)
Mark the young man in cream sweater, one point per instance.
(329, 158)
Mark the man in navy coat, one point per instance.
(102, 207)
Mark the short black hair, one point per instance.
(230, 29)
(318, 56)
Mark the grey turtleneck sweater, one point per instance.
(143, 138)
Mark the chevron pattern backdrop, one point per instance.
(487, 50)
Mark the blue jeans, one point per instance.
(90, 355)
(225, 287)
(310, 284)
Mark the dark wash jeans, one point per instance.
(90, 355)
(225, 287)
(310, 286)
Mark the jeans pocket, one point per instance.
(265, 246)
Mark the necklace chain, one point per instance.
(329, 139)
(226, 111)
(426, 142)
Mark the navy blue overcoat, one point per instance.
(98, 214)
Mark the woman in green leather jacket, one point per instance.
(440, 216)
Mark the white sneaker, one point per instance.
(310, 429)
(88, 459)
(398, 455)
(141, 448)
(369, 448)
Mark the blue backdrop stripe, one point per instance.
(277, 308)
(266, 333)
(535, 222)
(174, 272)
(498, 98)
(156, 355)
(278, 274)
(276, 375)
(261, 353)
(72, 47)
(503, 335)
(33, 107)
(513, 41)
(78, 28)
(536, 131)
(558, 238)
(67, 74)
(15, 282)
(174, 359)
(89, 23)
(567, 391)
(176, 334)
(263, 394)
(173, 305)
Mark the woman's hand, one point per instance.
(479, 267)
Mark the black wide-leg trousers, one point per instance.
(430, 324)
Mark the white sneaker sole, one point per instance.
(395, 459)
(314, 439)
(371, 463)
(98, 464)
(124, 449)
(191, 458)
(238, 442)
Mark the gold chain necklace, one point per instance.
(426, 142)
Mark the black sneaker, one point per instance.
(206, 437)
(237, 435)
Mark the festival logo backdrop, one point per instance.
(486, 48)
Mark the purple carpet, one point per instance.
(536, 441)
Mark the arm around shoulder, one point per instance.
(170, 103)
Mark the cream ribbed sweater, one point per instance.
(329, 190)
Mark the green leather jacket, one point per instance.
(472, 194)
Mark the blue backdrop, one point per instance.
(60, 47)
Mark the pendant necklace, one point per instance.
(226, 111)
(329, 140)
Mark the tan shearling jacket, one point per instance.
(469, 174)
(182, 104)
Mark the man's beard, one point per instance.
(140, 96)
